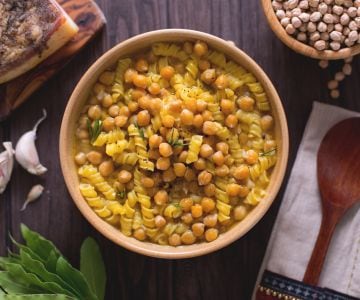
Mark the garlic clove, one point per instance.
(33, 195)
(26, 153)
(6, 165)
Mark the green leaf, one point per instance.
(75, 279)
(36, 297)
(13, 286)
(92, 266)
(94, 130)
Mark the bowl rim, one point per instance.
(301, 47)
(151, 249)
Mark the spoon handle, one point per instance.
(331, 216)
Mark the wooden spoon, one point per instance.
(338, 171)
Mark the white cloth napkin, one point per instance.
(298, 222)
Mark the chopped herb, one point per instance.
(268, 153)
(176, 204)
(141, 130)
(121, 194)
(94, 130)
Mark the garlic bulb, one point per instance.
(34, 194)
(6, 165)
(26, 153)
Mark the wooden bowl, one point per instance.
(79, 97)
(301, 47)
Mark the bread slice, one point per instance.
(30, 31)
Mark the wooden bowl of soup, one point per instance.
(174, 144)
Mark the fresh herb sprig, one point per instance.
(40, 271)
(121, 194)
(177, 142)
(94, 130)
(141, 130)
(268, 153)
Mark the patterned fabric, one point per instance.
(274, 286)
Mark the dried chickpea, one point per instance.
(187, 218)
(139, 234)
(207, 204)
(147, 182)
(182, 156)
(140, 81)
(251, 157)
(200, 48)
(165, 150)
(141, 65)
(210, 190)
(243, 191)
(204, 178)
(218, 158)
(124, 176)
(179, 169)
(169, 175)
(200, 164)
(233, 189)
(210, 128)
(222, 171)
(198, 229)
(204, 64)
(94, 112)
(108, 124)
(246, 103)
(223, 147)
(143, 118)
(196, 210)
(241, 172)
(120, 121)
(231, 121)
(266, 122)
(107, 101)
(240, 212)
(186, 204)
(80, 158)
(222, 82)
(94, 157)
(198, 121)
(174, 239)
(206, 151)
(208, 76)
(168, 121)
(167, 72)
(211, 220)
(186, 117)
(163, 163)
(154, 88)
(161, 197)
(188, 237)
(227, 106)
(155, 141)
(114, 110)
(159, 221)
(129, 75)
(106, 168)
(211, 234)
(207, 115)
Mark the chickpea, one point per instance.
(222, 82)
(182, 156)
(124, 176)
(130, 185)
(94, 157)
(137, 94)
(175, 106)
(251, 157)
(207, 204)
(155, 105)
(201, 105)
(114, 110)
(198, 121)
(167, 72)
(229, 160)
(154, 88)
(222, 171)
(240, 212)
(186, 117)
(129, 75)
(200, 48)
(208, 76)
(82, 134)
(98, 88)
(227, 106)
(210, 190)
(120, 121)
(246, 103)
(107, 78)
(198, 229)
(196, 210)
(168, 121)
(206, 151)
(218, 158)
(210, 140)
(141, 65)
(211, 234)
(163, 163)
(200, 164)
(133, 106)
(204, 178)
(144, 102)
(231, 121)
(241, 172)
(94, 112)
(108, 124)
(174, 239)
(189, 175)
(211, 220)
(187, 218)
(106, 168)
(140, 81)
(243, 138)
(161, 197)
(159, 221)
(190, 105)
(147, 182)
(80, 158)
(223, 147)
(266, 122)
(169, 175)
(154, 154)
(269, 145)
(179, 68)
(143, 118)
(188, 47)
(165, 150)
(188, 237)
(154, 141)
(210, 128)
(204, 64)
(207, 116)
(139, 234)
(179, 169)
(233, 189)
(186, 204)
(107, 101)
(163, 131)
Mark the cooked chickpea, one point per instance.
(94, 157)
(187, 218)
(266, 122)
(186, 204)
(198, 229)
(223, 147)
(188, 237)
(120, 121)
(179, 169)
(196, 210)
(107, 101)
(168, 121)
(124, 176)
(241, 172)
(175, 106)
(94, 112)
(144, 102)
(231, 121)
(139, 234)
(107, 78)
(190, 105)
(240, 212)
(169, 175)
(174, 239)
(222, 171)
(159, 221)
(114, 110)
(163, 131)
(207, 115)
(108, 124)
(204, 178)
(227, 106)
(218, 158)
(201, 105)
(161, 197)
(80, 158)
(155, 105)
(243, 138)
(204, 64)
(210, 190)
(141, 65)
(244, 191)
(165, 150)
(190, 175)
(206, 151)
(246, 103)
(140, 81)
(188, 47)
(222, 82)
(138, 93)
(98, 88)
(269, 145)
(200, 48)
(129, 75)
(211, 234)
(186, 117)
(251, 157)
(155, 141)
(82, 134)
(163, 163)
(207, 204)
(200, 164)
(198, 121)
(167, 72)
(208, 76)
(133, 106)
(147, 182)
(210, 128)
(154, 154)
(233, 189)
(106, 168)
(154, 88)
(211, 220)
(182, 156)
(143, 118)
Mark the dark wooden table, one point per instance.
(227, 274)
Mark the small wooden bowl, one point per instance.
(79, 97)
(301, 47)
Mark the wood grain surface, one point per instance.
(227, 274)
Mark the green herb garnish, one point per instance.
(121, 194)
(268, 153)
(94, 130)
(141, 130)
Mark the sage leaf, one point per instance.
(92, 266)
